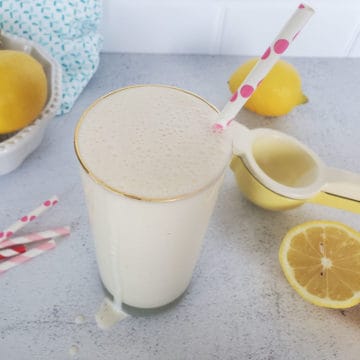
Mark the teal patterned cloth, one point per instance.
(67, 29)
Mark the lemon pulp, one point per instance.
(321, 261)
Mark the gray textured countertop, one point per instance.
(239, 305)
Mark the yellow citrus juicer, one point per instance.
(277, 172)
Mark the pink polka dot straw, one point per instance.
(13, 252)
(271, 55)
(31, 216)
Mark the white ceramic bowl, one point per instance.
(16, 147)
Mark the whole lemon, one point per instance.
(23, 90)
(277, 94)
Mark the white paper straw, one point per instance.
(19, 224)
(271, 55)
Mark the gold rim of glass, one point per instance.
(124, 193)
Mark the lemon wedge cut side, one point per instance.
(321, 261)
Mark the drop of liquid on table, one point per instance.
(109, 314)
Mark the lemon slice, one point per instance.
(321, 261)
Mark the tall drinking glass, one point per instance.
(151, 168)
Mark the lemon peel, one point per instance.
(277, 94)
(321, 261)
(23, 90)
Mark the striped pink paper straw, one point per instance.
(15, 250)
(271, 55)
(37, 236)
(19, 224)
(26, 256)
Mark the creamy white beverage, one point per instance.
(151, 170)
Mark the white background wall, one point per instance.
(243, 27)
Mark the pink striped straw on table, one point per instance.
(19, 224)
(26, 256)
(34, 237)
(15, 250)
(271, 55)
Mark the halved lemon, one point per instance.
(321, 261)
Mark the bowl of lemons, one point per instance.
(30, 95)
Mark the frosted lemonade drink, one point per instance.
(151, 171)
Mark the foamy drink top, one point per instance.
(152, 142)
